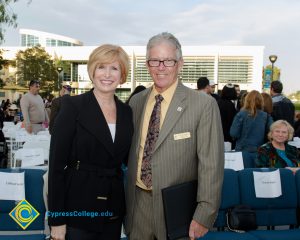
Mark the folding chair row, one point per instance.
(239, 189)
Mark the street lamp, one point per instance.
(59, 70)
(273, 59)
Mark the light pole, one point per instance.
(59, 70)
(273, 59)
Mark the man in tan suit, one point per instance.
(189, 146)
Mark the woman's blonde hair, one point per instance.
(276, 124)
(106, 54)
(253, 102)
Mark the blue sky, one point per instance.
(270, 23)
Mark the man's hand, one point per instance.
(29, 128)
(58, 232)
(197, 230)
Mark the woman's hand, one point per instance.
(58, 232)
(293, 169)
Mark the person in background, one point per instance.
(277, 153)
(227, 110)
(177, 138)
(249, 126)
(237, 102)
(90, 140)
(18, 102)
(6, 104)
(268, 108)
(33, 109)
(297, 125)
(203, 85)
(213, 85)
(12, 114)
(136, 91)
(238, 90)
(2, 104)
(55, 104)
(268, 104)
(242, 100)
(283, 108)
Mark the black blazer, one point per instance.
(55, 106)
(85, 164)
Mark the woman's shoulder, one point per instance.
(262, 113)
(291, 148)
(242, 114)
(267, 146)
(72, 103)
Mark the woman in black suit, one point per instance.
(90, 141)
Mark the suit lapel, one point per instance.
(175, 111)
(140, 112)
(92, 119)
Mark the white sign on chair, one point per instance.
(234, 160)
(30, 156)
(267, 184)
(12, 186)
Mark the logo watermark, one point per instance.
(79, 214)
(24, 214)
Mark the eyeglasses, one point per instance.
(166, 63)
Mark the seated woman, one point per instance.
(278, 153)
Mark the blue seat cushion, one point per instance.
(292, 234)
(23, 237)
(227, 236)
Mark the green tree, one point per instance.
(3, 63)
(66, 66)
(7, 17)
(36, 64)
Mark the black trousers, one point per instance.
(111, 231)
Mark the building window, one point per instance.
(83, 75)
(62, 43)
(141, 71)
(29, 40)
(195, 67)
(50, 42)
(123, 94)
(235, 69)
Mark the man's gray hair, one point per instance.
(164, 37)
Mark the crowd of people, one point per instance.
(166, 135)
(249, 121)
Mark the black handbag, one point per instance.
(241, 218)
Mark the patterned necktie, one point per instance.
(152, 135)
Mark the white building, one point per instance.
(224, 64)
(31, 38)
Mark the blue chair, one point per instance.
(230, 197)
(272, 212)
(297, 179)
(34, 195)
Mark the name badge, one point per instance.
(184, 135)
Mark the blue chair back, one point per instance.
(33, 194)
(230, 196)
(297, 179)
(270, 211)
